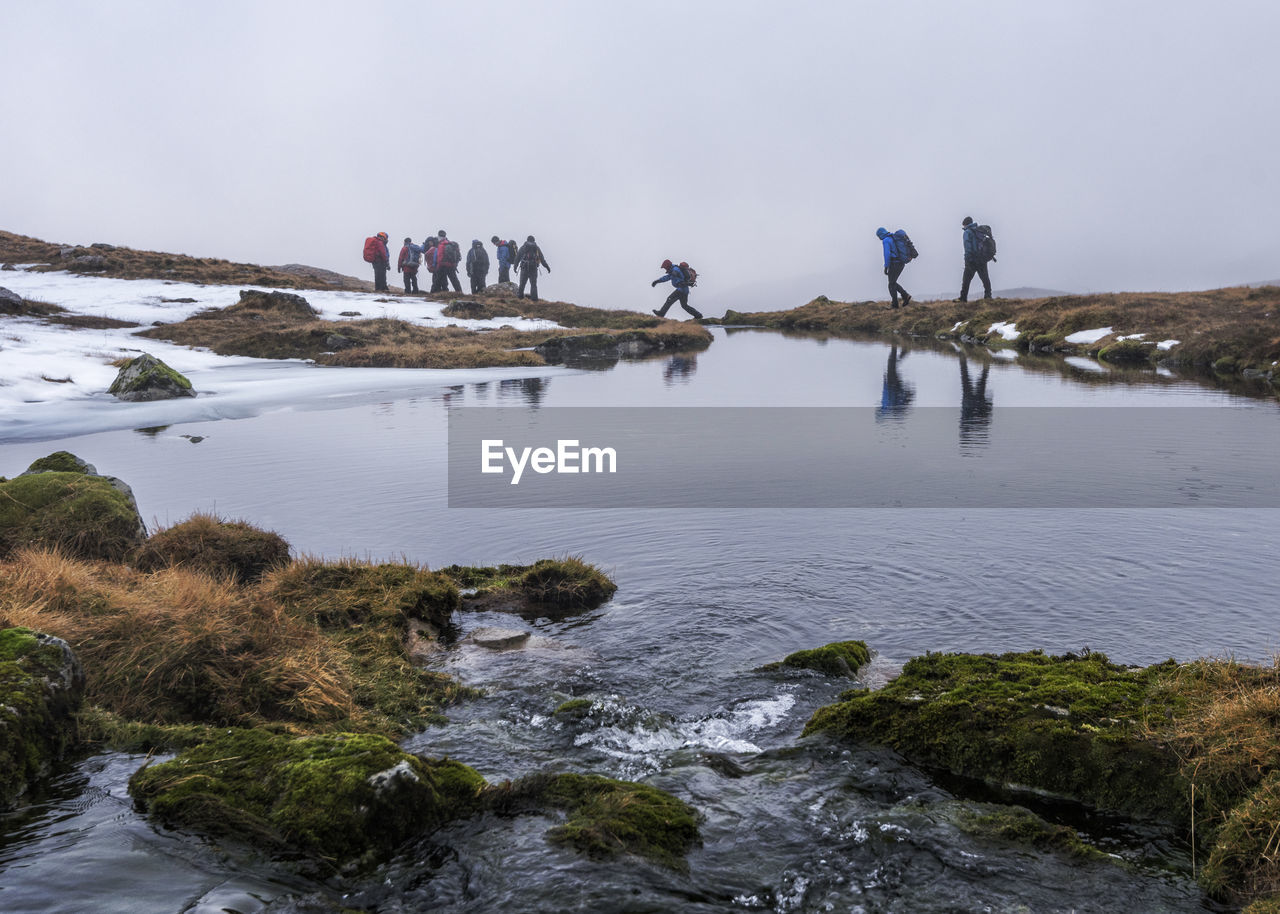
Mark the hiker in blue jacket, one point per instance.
(975, 258)
(680, 293)
(506, 251)
(895, 262)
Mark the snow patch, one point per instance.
(1166, 345)
(1089, 336)
(1007, 329)
(1131, 336)
(1086, 364)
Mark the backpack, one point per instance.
(452, 254)
(986, 243)
(690, 274)
(902, 244)
(371, 252)
(479, 258)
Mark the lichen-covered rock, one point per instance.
(840, 658)
(548, 587)
(346, 798)
(41, 686)
(148, 378)
(60, 502)
(279, 304)
(498, 639)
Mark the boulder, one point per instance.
(41, 686)
(278, 304)
(10, 302)
(148, 378)
(8, 266)
(61, 501)
(345, 798)
(499, 638)
(89, 262)
(336, 341)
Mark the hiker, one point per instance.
(429, 258)
(448, 256)
(375, 252)
(408, 265)
(681, 277)
(896, 258)
(477, 266)
(506, 251)
(979, 247)
(530, 257)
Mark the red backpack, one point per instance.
(690, 274)
(372, 252)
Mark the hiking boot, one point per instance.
(697, 316)
(906, 300)
(959, 299)
(658, 313)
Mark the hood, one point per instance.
(882, 233)
(476, 242)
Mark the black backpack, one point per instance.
(480, 258)
(452, 254)
(986, 243)
(903, 245)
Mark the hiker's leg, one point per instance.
(684, 303)
(453, 278)
(895, 270)
(533, 283)
(969, 270)
(524, 278)
(666, 305)
(986, 280)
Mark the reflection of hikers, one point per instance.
(477, 266)
(898, 252)
(375, 252)
(506, 251)
(679, 368)
(530, 257)
(448, 256)
(979, 247)
(408, 264)
(975, 406)
(896, 395)
(681, 278)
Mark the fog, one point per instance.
(1111, 146)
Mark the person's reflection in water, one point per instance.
(897, 394)
(975, 406)
(529, 390)
(679, 369)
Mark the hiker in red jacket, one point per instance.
(448, 256)
(375, 252)
(408, 265)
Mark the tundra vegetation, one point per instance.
(1192, 745)
(281, 682)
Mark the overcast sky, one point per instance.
(1111, 145)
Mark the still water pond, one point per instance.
(705, 597)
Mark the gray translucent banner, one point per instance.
(927, 457)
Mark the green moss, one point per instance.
(564, 585)
(346, 798)
(152, 372)
(84, 515)
(1021, 826)
(574, 708)
(105, 729)
(36, 707)
(840, 658)
(1264, 906)
(1226, 365)
(608, 818)
(58, 462)
(1242, 860)
(1127, 352)
(1068, 724)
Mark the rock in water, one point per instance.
(41, 686)
(499, 638)
(148, 378)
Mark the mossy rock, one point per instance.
(549, 586)
(61, 462)
(148, 378)
(1066, 724)
(607, 818)
(349, 799)
(1226, 365)
(840, 658)
(214, 546)
(574, 708)
(1127, 352)
(1017, 825)
(86, 516)
(41, 687)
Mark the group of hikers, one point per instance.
(443, 256)
(979, 250)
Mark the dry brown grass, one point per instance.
(215, 546)
(1240, 323)
(127, 263)
(178, 646)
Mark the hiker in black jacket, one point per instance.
(979, 247)
(529, 258)
(477, 266)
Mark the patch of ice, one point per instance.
(1131, 336)
(958, 325)
(1086, 364)
(1007, 329)
(1166, 345)
(1089, 336)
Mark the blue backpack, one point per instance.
(902, 244)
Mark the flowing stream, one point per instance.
(705, 597)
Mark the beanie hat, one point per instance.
(494, 240)
(530, 238)
(666, 264)
(968, 220)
